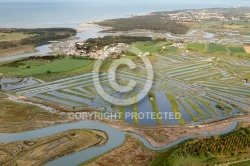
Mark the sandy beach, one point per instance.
(80, 30)
(91, 25)
(87, 24)
(86, 27)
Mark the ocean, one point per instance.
(55, 14)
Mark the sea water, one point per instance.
(65, 13)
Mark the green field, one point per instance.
(173, 50)
(155, 108)
(174, 106)
(195, 107)
(66, 74)
(244, 163)
(134, 50)
(72, 67)
(8, 69)
(236, 49)
(151, 47)
(13, 36)
(235, 23)
(216, 48)
(188, 111)
(53, 67)
(207, 104)
(33, 63)
(135, 110)
(122, 113)
(19, 65)
(196, 47)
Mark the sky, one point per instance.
(191, 1)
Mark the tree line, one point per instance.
(154, 22)
(40, 35)
(98, 43)
(230, 144)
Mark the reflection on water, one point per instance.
(116, 138)
(44, 49)
(165, 106)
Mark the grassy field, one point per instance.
(222, 26)
(66, 74)
(206, 103)
(195, 107)
(19, 112)
(53, 67)
(188, 111)
(21, 117)
(242, 27)
(242, 55)
(75, 71)
(173, 50)
(155, 106)
(13, 36)
(174, 105)
(216, 48)
(135, 111)
(196, 47)
(228, 109)
(55, 146)
(151, 47)
(20, 65)
(122, 113)
(33, 63)
(236, 49)
(8, 69)
(235, 23)
(244, 163)
(134, 50)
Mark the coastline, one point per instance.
(30, 49)
(82, 29)
(147, 136)
(89, 26)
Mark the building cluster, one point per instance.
(179, 45)
(112, 52)
(143, 54)
(201, 15)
